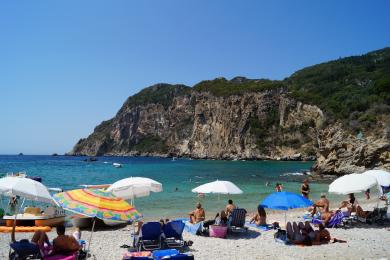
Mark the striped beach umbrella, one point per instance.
(96, 203)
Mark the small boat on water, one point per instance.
(34, 216)
(117, 165)
(16, 185)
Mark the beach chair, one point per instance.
(335, 221)
(23, 250)
(150, 238)
(236, 221)
(173, 232)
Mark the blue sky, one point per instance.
(65, 66)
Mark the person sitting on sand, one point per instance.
(229, 207)
(322, 204)
(351, 204)
(260, 219)
(39, 238)
(64, 244)
(77, 234)
(220, 219)
(198, 215)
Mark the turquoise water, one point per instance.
(183, 174)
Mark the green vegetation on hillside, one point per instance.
(236, 86)
(162, 94)
(355, 88)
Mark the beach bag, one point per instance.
(218, 231)
(281, 236)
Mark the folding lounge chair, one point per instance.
(334, 222)
(173, 232)
(150, 238)
(237, 220)
(23, 250)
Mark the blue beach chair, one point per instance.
(150, 237)
(237, 220)
(173, 232)
(24, 249)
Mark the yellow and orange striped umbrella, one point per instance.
(96, 203)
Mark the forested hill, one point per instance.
(336, 112)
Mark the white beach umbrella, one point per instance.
(352, 183)
(134, 187)
(218, 187)
(26, 188)
(382, 176)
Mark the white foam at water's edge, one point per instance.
(293, 174)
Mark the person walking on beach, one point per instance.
(305, 189)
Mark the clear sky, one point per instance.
(65, 66)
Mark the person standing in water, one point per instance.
(305, 189)
(278, 187)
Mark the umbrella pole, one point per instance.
(90, 237)
(21, 206)
(285, 218)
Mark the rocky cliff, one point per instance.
(262, 125)
(337, 112)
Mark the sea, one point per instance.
(179, 176)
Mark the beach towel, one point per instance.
(189, 227)
(160, 254)
(262, 228)
(193, 228)
(137, 255)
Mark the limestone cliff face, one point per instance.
(342, 153)
(259, 125)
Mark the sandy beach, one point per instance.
(363, 242)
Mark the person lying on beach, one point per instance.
(322, 236)
(229, 207)
(304, 234)
(198, 215)
(260, 218)
(298, 235)
(64, 244)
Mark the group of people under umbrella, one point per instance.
(111, 204)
